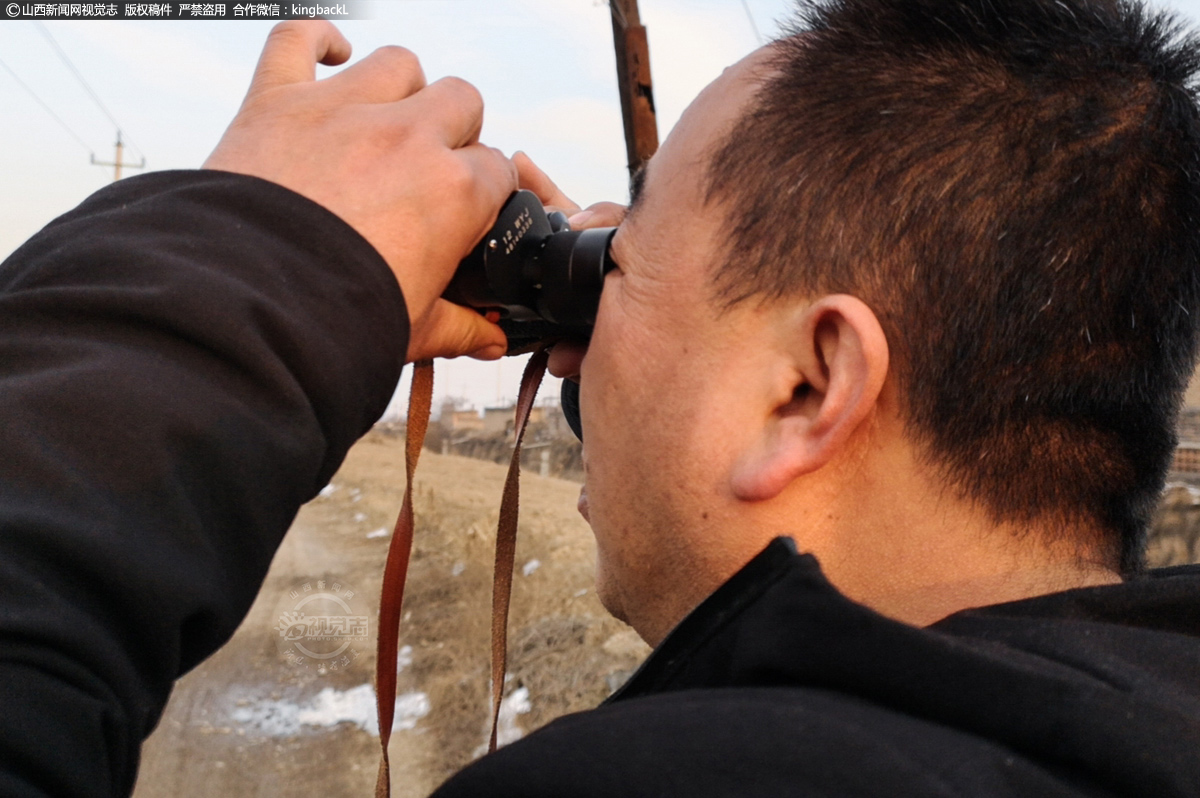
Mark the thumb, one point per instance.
(293, 50)
(450, 330)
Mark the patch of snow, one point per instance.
(272, 718)
(531, 566)
(458, 568)
(403, 658)
(360, 517)
(329, 708)
(327, 491)
(581, 592)
(410, 707)
(507, 730)
(378, 533)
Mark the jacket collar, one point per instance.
(1086, 678)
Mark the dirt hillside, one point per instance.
(263, 718)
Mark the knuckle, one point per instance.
(466, 92)
(509, 169)
(397, 58)
(458, 175)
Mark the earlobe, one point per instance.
(838, 356)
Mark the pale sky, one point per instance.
(545, 68)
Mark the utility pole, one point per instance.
(633, 82)
(117, 162)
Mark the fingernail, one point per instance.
(580, 219)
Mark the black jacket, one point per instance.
(184, 359)
(777, 685)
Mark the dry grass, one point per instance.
(564, 648)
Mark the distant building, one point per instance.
(454, 420)
(556, 425)
(1187, 455)
(546, 422)
(499, 420)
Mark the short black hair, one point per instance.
(1013, 186)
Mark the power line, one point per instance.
(79, 76)
(48, 109)
(753, 26)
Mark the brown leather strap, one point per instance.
(506, 535)
(396, 571)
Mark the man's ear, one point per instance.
(834, 357)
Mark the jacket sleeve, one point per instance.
(185, 359)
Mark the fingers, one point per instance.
(449, 330)
(294, 49)
(495, 178)
(386, 75)
(566, 358)
(463, 192)
(601, 214)
(451, 108)
(533, 178)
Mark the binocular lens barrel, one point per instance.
(573, 265)
(534, 270)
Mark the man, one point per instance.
(912, 289)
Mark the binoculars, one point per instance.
(542, 278)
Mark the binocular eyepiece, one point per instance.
(542, 277)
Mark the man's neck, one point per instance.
(905, 546)
(922, 605)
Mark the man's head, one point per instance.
(1014, 189)
(919, 258)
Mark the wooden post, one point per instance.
(118, 163)
(633, 82)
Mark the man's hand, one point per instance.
(566, 356)
(397, 159)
